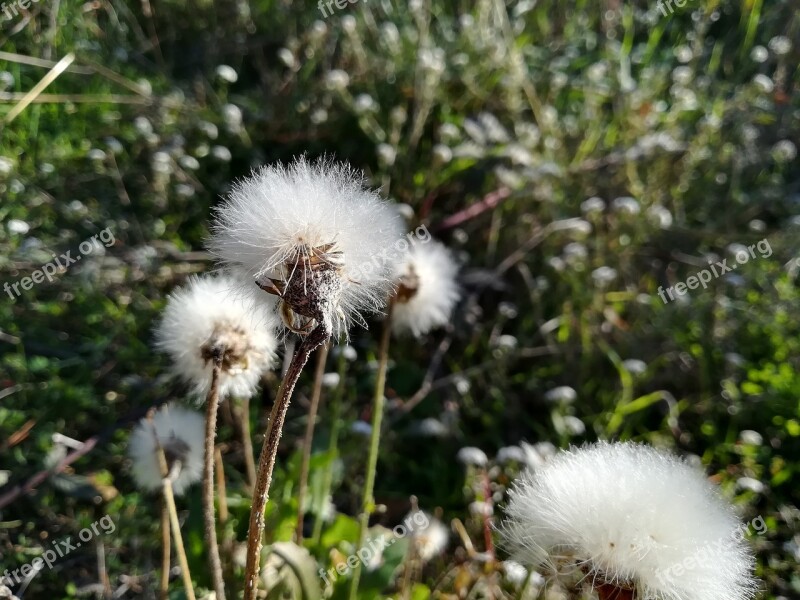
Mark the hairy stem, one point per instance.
(266, 462)
(209, 520)
(368, 505)
(333, 445)
(316, 393)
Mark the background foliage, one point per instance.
(685, 125)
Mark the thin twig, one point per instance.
(269, 451)
(51, 76)
(308, 439)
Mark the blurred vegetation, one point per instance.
(684, 125)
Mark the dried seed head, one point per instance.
(314, 236)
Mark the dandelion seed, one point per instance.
(208, 320)
(472, 456)
(227, 73)
(18, 226)
(562, 394)
(431, 540)
(631, 518)
(427, 290)
(315, 237)
(509, 454)
(750, 437)
(337, 79)
(179, 433)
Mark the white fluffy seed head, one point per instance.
(210, 315)
(431, 539)
(629, 515)
(180, 433)
(279, 213)
(427, 289)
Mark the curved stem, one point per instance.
(266, 462)
(316, 393)
(333, 445)
(368, 505)
(209, 521)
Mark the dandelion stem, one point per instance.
(368, 505)
(266, 462)
(322, 356)
(169, 497)
(209, 520)
(166, 543)
(333, 445)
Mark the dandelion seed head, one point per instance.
(632, 516)
(427, 290)
(209, 318)
(431, 540)
(180, 433)
(471, 456)
(318, 234)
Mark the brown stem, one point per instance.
(166, 546)
(322, 356)
(209, 521)
(266, 461)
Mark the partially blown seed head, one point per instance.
(633, 519)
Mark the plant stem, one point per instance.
(266, 462)
(322, 357)
(209, 521)
(247, 442)
(333, 444)
(166, 543)
(169, 498)
(368, 505)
